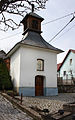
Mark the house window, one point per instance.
(40, 65)
(35, 24)
(64, 73)
(71, 72)
(70, 61)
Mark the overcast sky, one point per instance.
(54, 9)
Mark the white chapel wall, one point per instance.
(15, 68)
(28, 66)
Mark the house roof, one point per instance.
(72, 50)
(60, 64)
(2, 54)
(34, 39)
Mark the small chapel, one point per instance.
(33, 61)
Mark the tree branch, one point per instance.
(18, 8)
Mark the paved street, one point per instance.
(10, 112)
(53, 103)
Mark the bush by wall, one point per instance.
(5, 79)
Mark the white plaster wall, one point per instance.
(28, 68)
(67, 67)
(15, 68)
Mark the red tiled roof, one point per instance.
(60, 64)
(73, 51)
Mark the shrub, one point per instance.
(5, 79)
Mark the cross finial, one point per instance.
(32, 7)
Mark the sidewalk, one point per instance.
(10, 112)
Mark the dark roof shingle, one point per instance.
(2, 54)
(35, 39)
(33, 15)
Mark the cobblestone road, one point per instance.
(53, 103)
(10, 112)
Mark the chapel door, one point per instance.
(39, 89)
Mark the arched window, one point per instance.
(40, 65)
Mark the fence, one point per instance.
(61, 81)
(66, 86)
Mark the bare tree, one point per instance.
(8, 8)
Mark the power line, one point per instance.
(66, 31)
(10, 36)
(58, 18)
(62, 29)
(42, 24)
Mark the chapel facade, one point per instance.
(33, 61)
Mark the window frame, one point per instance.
(42, 65)
(70, 61)
(64, 73)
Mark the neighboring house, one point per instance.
(6, 60)
(33, 61)
(66, 69)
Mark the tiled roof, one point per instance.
(58, 65)
(72, 50)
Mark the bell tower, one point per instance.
(32, 22)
